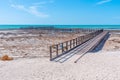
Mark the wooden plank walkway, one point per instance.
(82, 49)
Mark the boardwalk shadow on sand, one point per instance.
(98, 47)
(101, 44)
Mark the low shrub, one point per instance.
(6, 58)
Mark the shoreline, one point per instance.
(105, 27)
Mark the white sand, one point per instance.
(93, 66)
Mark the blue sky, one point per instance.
(60, 12)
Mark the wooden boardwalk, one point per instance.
(60, 49)
(82, 49)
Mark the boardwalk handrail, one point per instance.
(62, 48)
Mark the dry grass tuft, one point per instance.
(6, 58)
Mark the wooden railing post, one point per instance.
(70, 44)
(62, 47)
(78, 40)
(50, 53)
(56, 50)
(66, 45)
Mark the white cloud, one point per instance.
(18, 7)
(33, 9)
(40, 3)
(44, 2)
(103, 1)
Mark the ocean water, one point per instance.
(113, 27)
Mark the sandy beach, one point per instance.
(59, 40)
(35, 43)
(97, 66)
(30, 52)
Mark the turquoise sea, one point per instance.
(113, 27)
